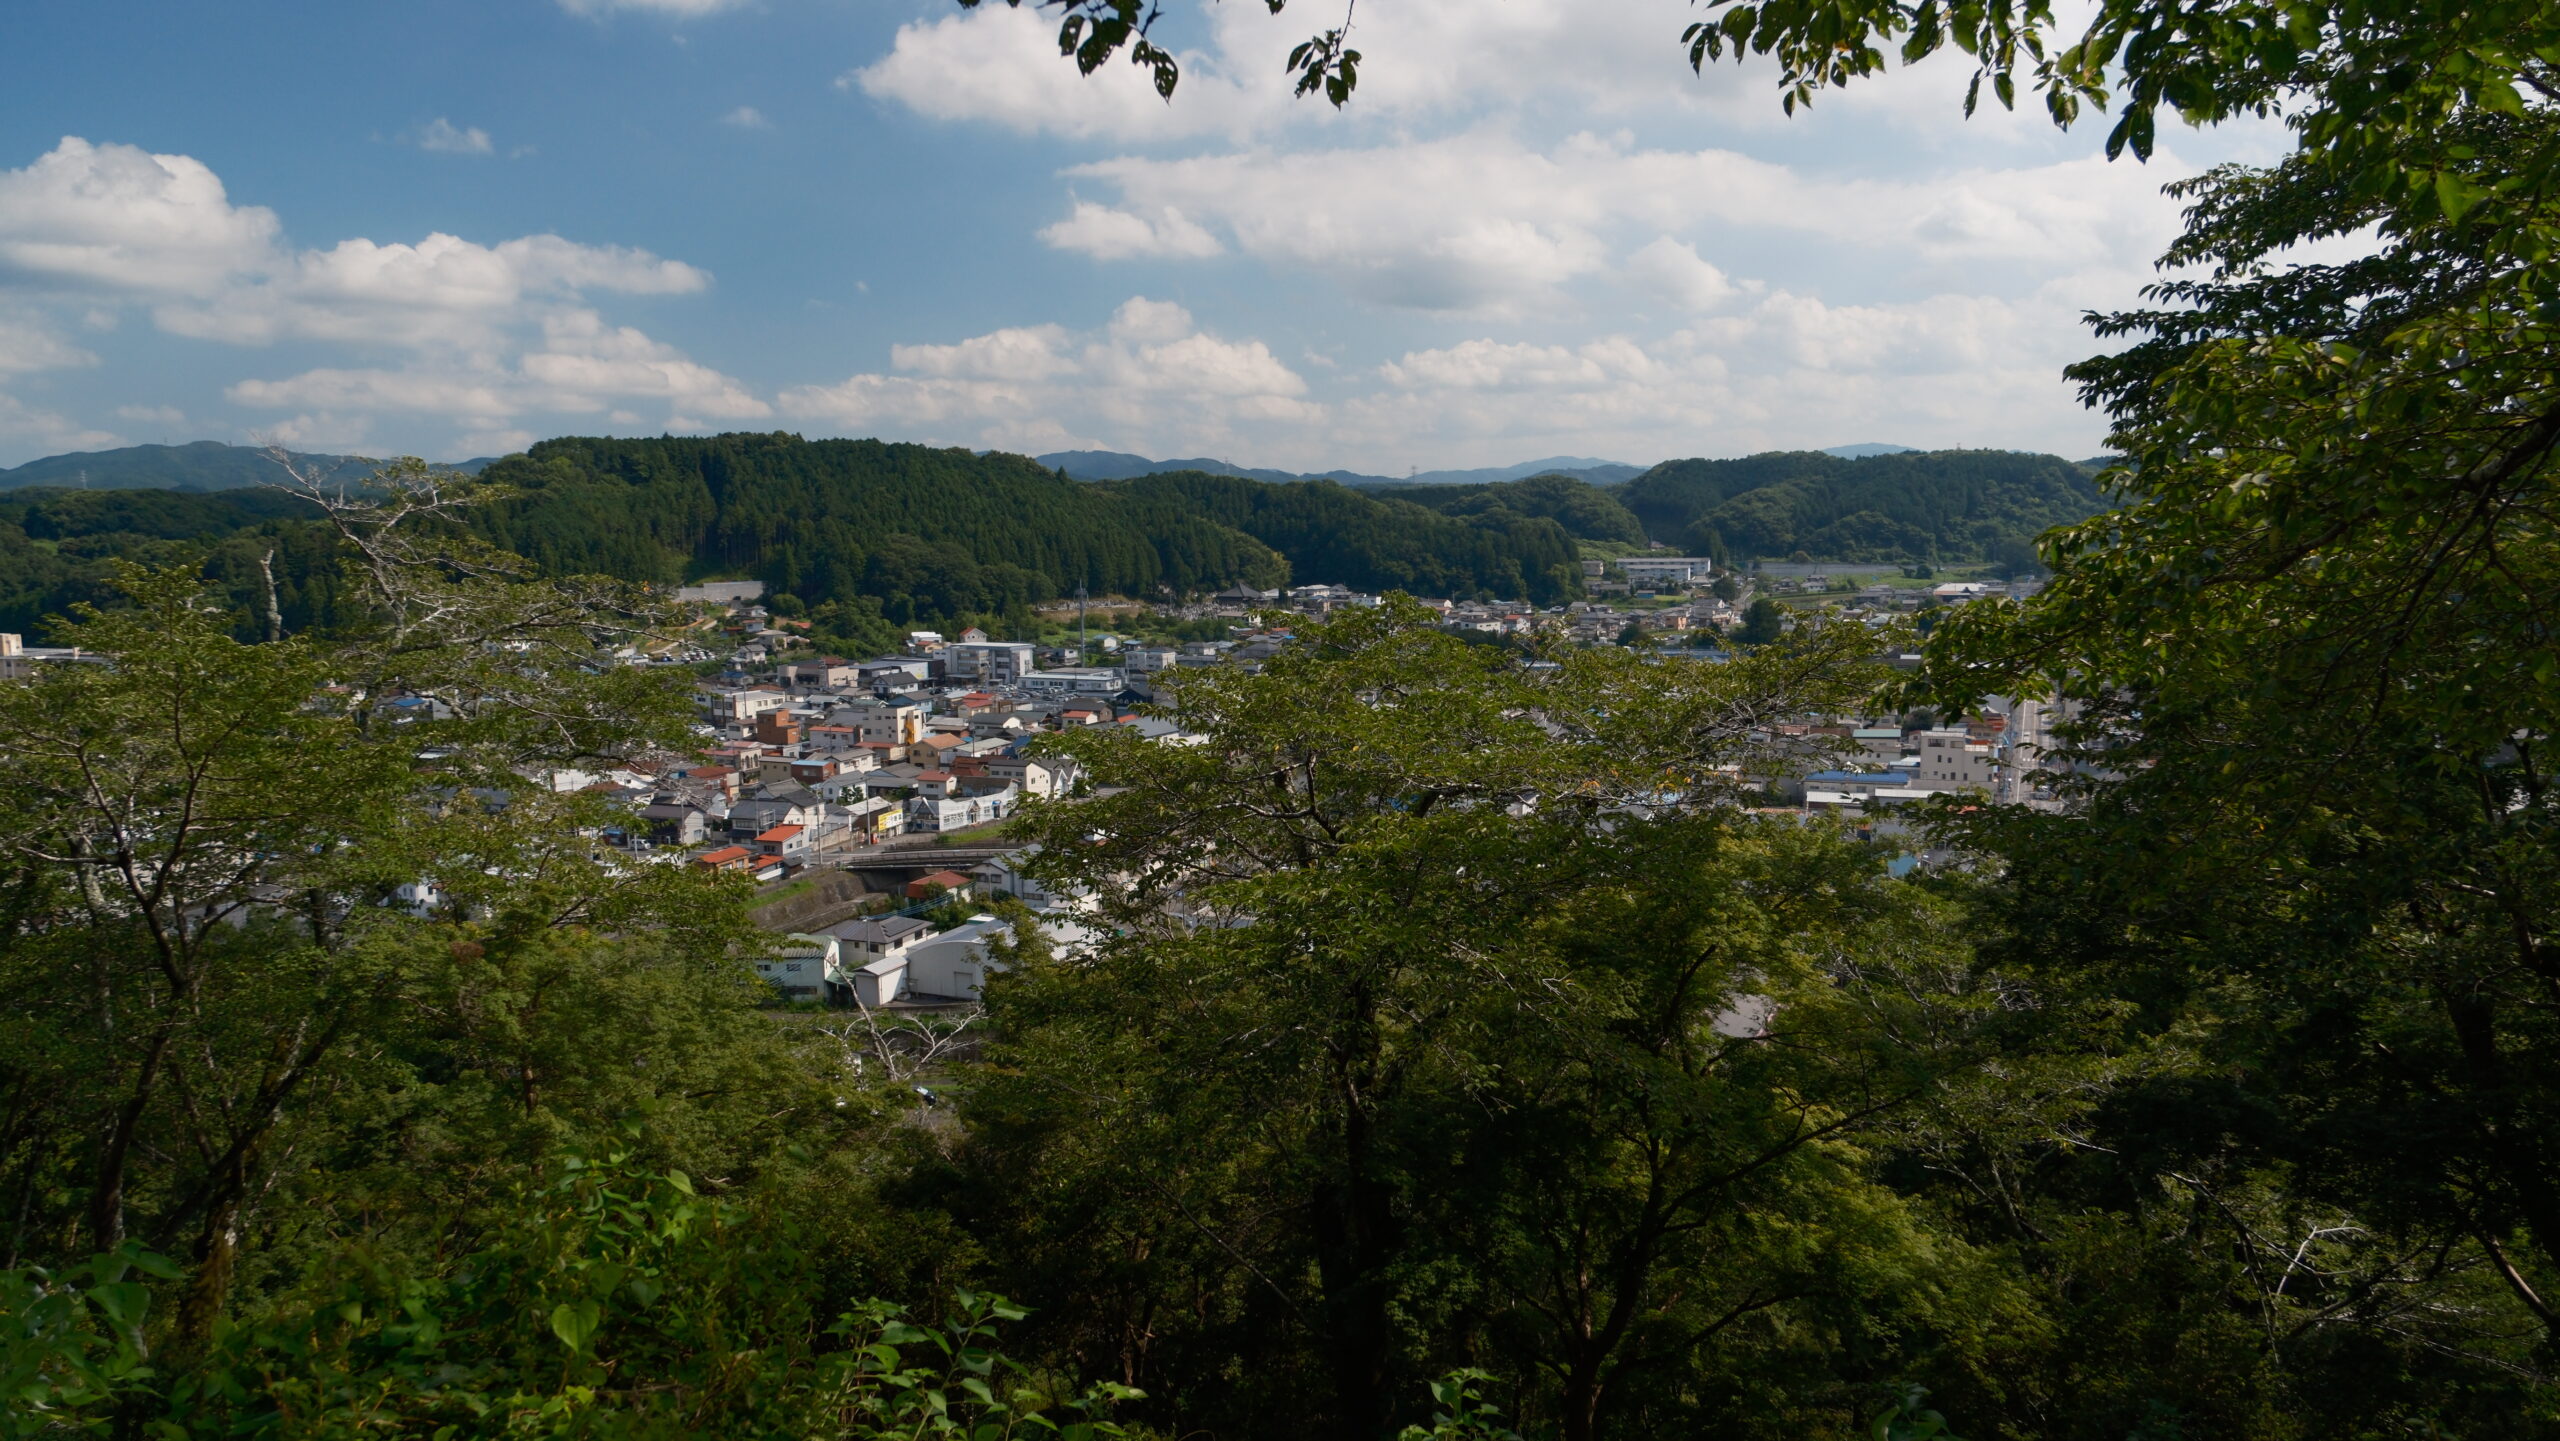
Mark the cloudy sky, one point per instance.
(450, 230)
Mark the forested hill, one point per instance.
(1585, 510)
(871, 537)
(1918, 505)
(1333, 533)
(197, 465)
(928, 533)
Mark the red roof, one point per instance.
(710, 773)
(933, 775)
(780, 834)
(948, 880)
(725, 856)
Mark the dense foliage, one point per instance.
(60, 548)
(1586, 511)
(1347, 537)
(1945, 505)
(866, 539)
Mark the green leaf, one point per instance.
(576, 1322)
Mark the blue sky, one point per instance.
(449, 230)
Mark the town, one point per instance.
(892, 778)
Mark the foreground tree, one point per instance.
(1455, 1010)
(269, 940)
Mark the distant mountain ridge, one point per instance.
(211, 465)
(1119, 465)
(870, 539)
(200, 465)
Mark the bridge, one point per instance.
(918, 858)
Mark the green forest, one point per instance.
(1586, 511)
(1936, 506)
(870, 539)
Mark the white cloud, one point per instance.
(1782, 370)
(29, 344)
(746, 117)
(1023, 354)
(1150, 376)
(45, 432)
(442, 290)
(120, 219)
(1108, 234)
(444, 137)
(342, 434)
(163, 415)
(1484, 223)
(479, 333)
(1000, 65)
(1670, 270)
(1789, 371)
(581, 368)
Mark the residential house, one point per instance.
(788, 844)
(874, 819)
(829, 674)
(737, 707)
(1140, 661)
(885, 720)
(933, 751)
(1040, 778)
(803, 967)
(892, 675)
(926, 886)
(726, 858)
(1884, 743)
(950, 813)
(770, 808)
(672, 823)
(1006, 875)
(873, 956)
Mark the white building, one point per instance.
(802, 968)
(743, 705)
(1665, 569)
(1951, 760)
(955, 964)
(1076, 680)
(995, 662)
(950, 813)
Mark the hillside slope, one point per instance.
(1947, 505)
(1585, 510)
(197, 465)
(927, 534)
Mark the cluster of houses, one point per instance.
(823, 758)
(904, 960)
(2001, 753)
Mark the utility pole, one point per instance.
(1081, 641)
